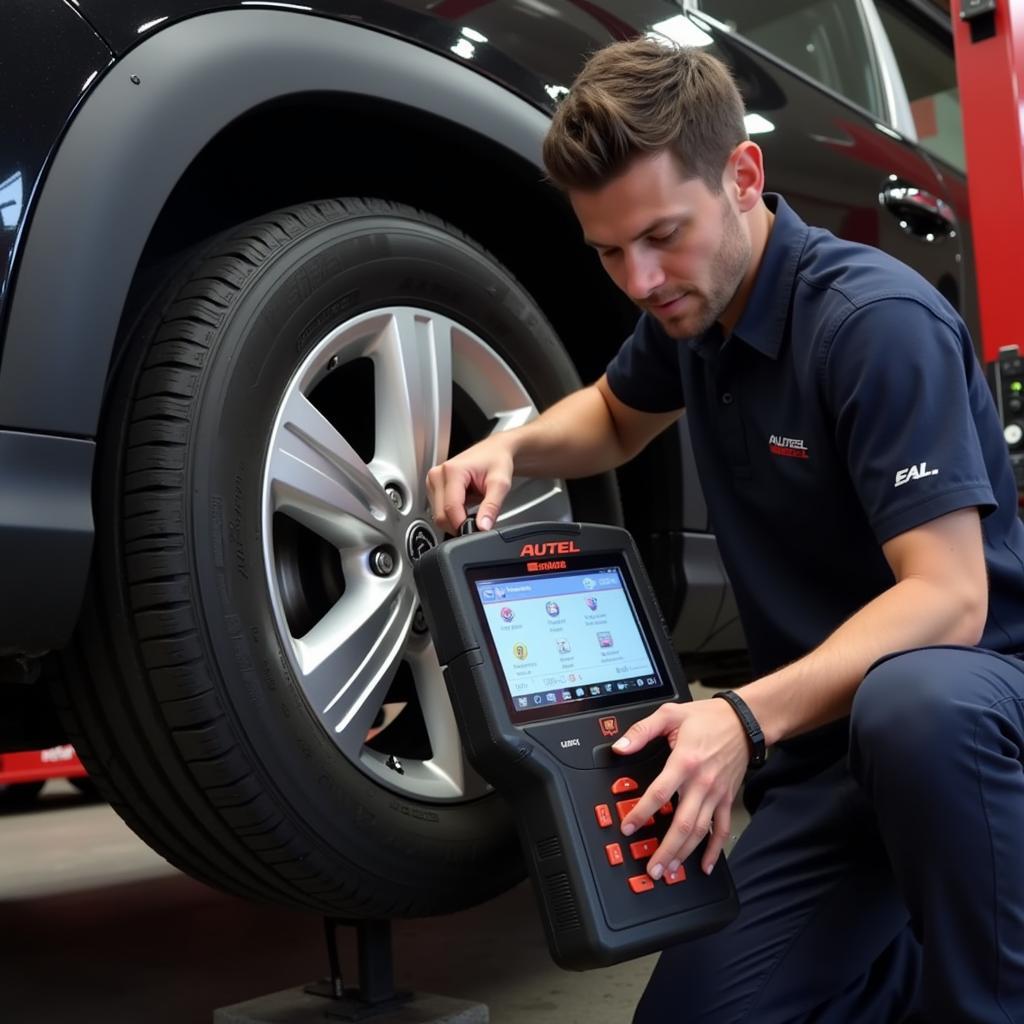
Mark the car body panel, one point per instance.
(48, 56)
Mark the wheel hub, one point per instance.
(419, 539)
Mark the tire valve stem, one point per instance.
(395, 765)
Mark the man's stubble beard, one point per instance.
(727, 272)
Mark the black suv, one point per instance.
(264, 264)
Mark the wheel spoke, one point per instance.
(350, 657)
(448, 762)
(413, 380)
(317, 478)
(535, 501)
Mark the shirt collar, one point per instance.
(763, 323)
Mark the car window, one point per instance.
(825, 39)
(928, 69)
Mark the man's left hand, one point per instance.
(709, 758)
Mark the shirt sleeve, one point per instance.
(905, 388)
(645, 373)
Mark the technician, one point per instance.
(861, 492)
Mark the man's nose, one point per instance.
(643, 275)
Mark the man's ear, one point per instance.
(744, 175)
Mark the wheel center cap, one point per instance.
(419, 539)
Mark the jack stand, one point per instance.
(375, 997)
(376, 992)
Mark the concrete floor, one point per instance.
(95, 928)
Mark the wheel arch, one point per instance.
(136, 145)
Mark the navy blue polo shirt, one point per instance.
(846, 407)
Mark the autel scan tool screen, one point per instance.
(569, 638)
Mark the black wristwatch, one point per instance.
(750, 726)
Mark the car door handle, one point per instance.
(919, 213)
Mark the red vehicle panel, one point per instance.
(37, 765)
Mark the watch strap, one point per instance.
(750, 726)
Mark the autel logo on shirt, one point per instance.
(914, 473)
(792, 447)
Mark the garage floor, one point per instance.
(95, 928)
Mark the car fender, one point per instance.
(133, 138)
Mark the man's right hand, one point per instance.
(483, 473)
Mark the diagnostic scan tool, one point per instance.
(552, 646)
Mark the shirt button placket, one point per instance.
(732, 430)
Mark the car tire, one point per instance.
(85, 786)
(258, 703)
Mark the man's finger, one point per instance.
(658, 795)
(719, 835)
(497, 487)
(639, 734)
(435, 490)
(453, 509)
(690, 824)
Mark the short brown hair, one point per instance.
(638, 98)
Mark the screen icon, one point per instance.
(487, 593)
(567, 695)
(591, 603)
(580, 692)
(522, 701)
(609, 726)
(563, 645)
(588, 583)
(520, 650)
(621, 686)
(595, 690)
(651, 681)
(551, 698)
(507, 614)
(552, 608)
(538, 699)
(605, 640)
(608, 687)
(499, 592)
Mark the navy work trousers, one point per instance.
(883, 885)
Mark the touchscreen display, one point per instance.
(567, 638)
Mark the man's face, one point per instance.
(675, 248)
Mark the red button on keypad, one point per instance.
(624, 785)
(643, 849)
(614, 852)
(625, 806)
(641, 883)
(604, 815)
(666, 808)
(679, 875)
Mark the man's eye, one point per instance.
(665, 238)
